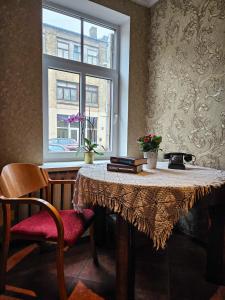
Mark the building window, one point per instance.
(91, 94)
(67, 91)
(92, 132)
(76, 52)
(63, 48)
(67, 130)
(92, 56)
(71, 77)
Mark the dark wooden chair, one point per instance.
(63, 227)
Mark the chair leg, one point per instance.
(93, 245)
(5, 245)
(60, 272)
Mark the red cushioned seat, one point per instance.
(42, 225)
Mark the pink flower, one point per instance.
(75, 118)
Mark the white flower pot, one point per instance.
(151, 159)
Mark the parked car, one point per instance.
(56, 148)
(67, 143)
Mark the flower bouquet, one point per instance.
(149, 144)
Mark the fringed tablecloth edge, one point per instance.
(140, 223)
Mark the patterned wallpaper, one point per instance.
(186, 102)
(20, 82)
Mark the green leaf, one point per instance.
(98, 153)
(87, 141)
(94, 145)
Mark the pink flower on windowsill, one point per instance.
(75, 118)
(89, 145)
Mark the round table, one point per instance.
(153, 201)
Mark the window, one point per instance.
(76, 52)
(67, 131)
(91, 94)
(67, 91)
(92, 56)
(73, 84)
(92, 131)
(63, 49)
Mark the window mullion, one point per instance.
(82, 40)
(82, 98)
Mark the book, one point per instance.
(132, 161)
(124, 168)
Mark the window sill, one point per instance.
(67, 166)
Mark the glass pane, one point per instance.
(98, 108)
(61, 35)
(67, 91)
(98, 45)
(92, 94)
(61, 87)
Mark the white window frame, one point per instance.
(84, 69)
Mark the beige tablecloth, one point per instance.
(152, 200)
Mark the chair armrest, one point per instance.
(53, 212)
(62, 181)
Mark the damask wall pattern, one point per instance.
(20, 82)
(186, 101)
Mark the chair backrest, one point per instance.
(19, 179)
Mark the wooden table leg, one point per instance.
(100, 225)
(215, 270)
(125, 260)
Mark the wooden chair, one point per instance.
(64, 227)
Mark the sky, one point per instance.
(71, 23)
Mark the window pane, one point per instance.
(61, 133)
(73, 94)
(92, 95)
(62, 88)
(59, 93)
(67, 91)
(66, 94)
(61, 121)
(77, 52)
(75, 134)
(60, 34)
(98, 45)
(99, 110)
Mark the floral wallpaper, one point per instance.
(20, 82)
(186, 101)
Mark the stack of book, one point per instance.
(126, 164)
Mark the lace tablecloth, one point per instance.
(152, 200)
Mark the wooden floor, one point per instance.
(176, 273)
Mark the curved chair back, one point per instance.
(19, 179)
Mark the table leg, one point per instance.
(125, 260)
(100, 225)
(215, 270)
